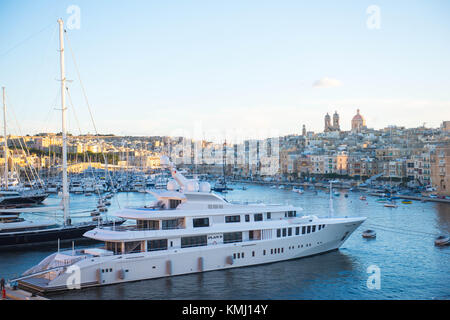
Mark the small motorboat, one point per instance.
(406, 201)
(390, 205)
(87, 194)
(337, 194)
(369, 234)
(346, 195)
(442, 241)
(244, 188)
(362, 198)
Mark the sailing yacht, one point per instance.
(190, 231)
(12, 194)
(32, 235)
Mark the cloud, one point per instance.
(326, 83)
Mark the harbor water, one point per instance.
(410, 265)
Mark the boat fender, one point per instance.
(169, 267)
(121, 274)
(99, 276)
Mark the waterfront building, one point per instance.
(440, 169)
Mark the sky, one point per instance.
(237, 67)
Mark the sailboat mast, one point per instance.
(65, 193)
(5, 148)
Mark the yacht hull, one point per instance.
(23, 200)
(156, 264)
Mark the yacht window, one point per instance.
(269, 215)
(132, 246)
(201, 222)
(115, 247)
(195, 241)
(253, 253)
(309, 229)
(264, 252)
(284, 232)
(232, 219)
(320, 227)
(147, 224)
(297, 231)
(154, 245)
(234, 255)
(291, 214)
(242, 255)
(232, 237)
(290, 232)
(303, 230)
(313, 228)
(278, 233)
(239, 255)
(271, 251)
(247, 218)
(174, 203)
(169, 224)
(258, 217)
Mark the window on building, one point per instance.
(258, 217)
(232, 237)
(201, 222)
(229, 219)
(269, 215)
(195, 241)
(154, 245)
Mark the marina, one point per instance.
(339, 274)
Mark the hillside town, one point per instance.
(413, 157)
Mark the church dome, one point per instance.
(358, 117)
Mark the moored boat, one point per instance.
(442, 241)
(369, 234)
(188, 231)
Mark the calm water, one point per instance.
(411, 266)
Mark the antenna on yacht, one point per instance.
(5, 149)
(65, 193)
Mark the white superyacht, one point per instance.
(189, 231)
